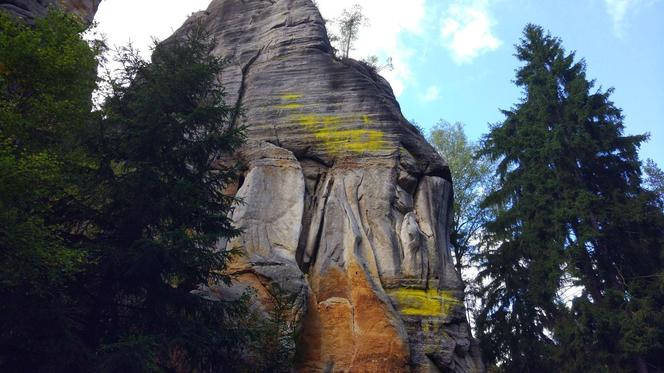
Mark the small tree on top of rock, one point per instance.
(350, 21)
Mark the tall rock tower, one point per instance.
(345, 203)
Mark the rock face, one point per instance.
(345, 205)
(31, 9)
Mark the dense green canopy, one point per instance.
(109, 218)
(571, 212)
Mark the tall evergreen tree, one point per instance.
(571, 212)
(157, 210)
(654, 178)
(109, 218)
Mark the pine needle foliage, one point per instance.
(110, 218)
(159, 208)
(571, 212)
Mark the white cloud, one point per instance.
(388, 20)
(619, 10)
(431, 94)
(466, 30)
(122, 21)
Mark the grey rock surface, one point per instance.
(345, 204)
(31, 9)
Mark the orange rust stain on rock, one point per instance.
(351, 329)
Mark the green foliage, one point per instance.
(571, 206)
(158, 209)
(373, 64)
(109, 219)
(654, 179)
(350, 22)
(47, 74)
(472, 180)
(278, 332)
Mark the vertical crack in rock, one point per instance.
(241, 90)
(312, 233)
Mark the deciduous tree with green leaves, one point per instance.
(47, 75)
(472, 180)
(350, 21)
(571, 206)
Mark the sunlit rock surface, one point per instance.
(345, 205)
(31, 9)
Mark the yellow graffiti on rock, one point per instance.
(332, 130)
(290, 106)
(420, 302)
(290, 96)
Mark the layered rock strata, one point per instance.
(31, 9)
(345, 205)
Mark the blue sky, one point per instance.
(453, 58)
(463, 65)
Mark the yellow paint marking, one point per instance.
(291, 96)
(419, 302)
(326, 129)
(292, 106)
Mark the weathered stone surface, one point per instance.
(344, 203)
(31, 9)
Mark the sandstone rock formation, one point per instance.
(344, 202)
(31, 9)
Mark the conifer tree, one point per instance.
(109, 218)
(158, 210)
(571, 211)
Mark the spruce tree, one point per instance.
(158, 209)
(109, 218)
(570, 211)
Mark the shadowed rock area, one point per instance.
(31, 9)
(345, 203)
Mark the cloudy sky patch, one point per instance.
(431, 94)
(620, 12)
(466, 30)
(466, 47)
(389, 20)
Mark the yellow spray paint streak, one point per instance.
(327, 129)
(291, 96)
(419, 302)
(290, 106)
